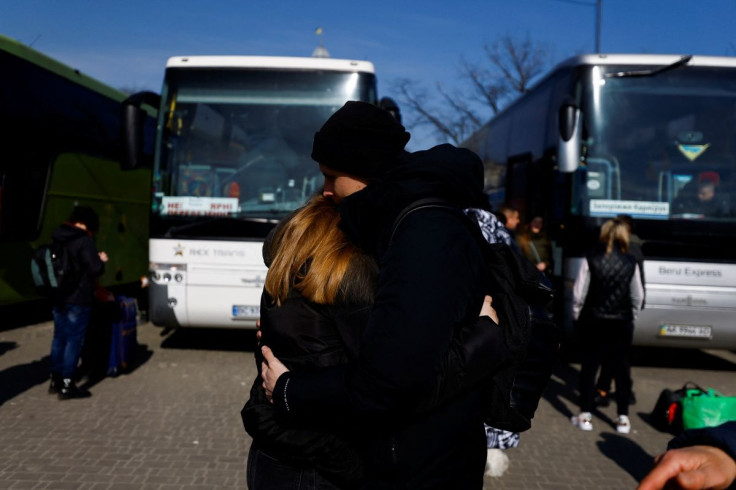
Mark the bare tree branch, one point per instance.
(415, 100)
(485, 89)
(511, 67)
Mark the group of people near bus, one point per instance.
(377, 336)
(372, 332)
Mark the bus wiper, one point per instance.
(220, 223)
(650, 73)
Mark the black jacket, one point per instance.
(304, 336)
(430, 283)
(85, 260)
(609, 295)
(722, 437)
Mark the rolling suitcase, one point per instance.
(124, 344)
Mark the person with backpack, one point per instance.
(317, 298)
(72, 301)
(429, 284)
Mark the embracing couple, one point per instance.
(376, 336)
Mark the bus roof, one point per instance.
(289, 63)
(20, 50)
(646, 59)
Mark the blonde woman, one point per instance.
(317, 297)
(607, 297)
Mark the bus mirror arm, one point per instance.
(390, 105)
(570, 137)
(133, 120)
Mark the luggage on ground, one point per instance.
(667, 413)
(707, 409)
(124, 343)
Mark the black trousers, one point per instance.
(610, 340)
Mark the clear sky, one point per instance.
(126, 43)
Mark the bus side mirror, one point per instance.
(570, 137)
(133, 122)
(388, 104)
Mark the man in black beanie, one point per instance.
(429, 284)
(360, 139)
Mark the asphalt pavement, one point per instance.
(173, 422)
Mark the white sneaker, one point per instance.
(496, 462)
(584, 421)
(623, 426)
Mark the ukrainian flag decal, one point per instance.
(691, 152)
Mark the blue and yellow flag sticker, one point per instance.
(691, 152)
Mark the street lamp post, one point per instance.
(598, 5)
(598, 8)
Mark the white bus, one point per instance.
(232, 157)
(643, 135)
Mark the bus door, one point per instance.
(528, 187)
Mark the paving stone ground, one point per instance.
(174, 422)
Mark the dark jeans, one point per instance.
(267, 473)
(610, 340)
(70, 325)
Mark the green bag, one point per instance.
(707, 409)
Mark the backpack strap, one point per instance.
(428, 202)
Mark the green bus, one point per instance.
(60, 146)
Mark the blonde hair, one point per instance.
(310, 254)
(615, 232)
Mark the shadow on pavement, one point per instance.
(18, 379)
(680, 359)
(94, 375)
(6, 346)
(224, 339)
(627, 454)
(26, 313)
(562, 390)
(562, 386)
(665, 357)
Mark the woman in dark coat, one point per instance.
(318, 288)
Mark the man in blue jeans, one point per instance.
(72, 308)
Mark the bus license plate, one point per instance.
(686, 331)
(246, 311)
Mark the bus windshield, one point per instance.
(236, 143)
(662, 146)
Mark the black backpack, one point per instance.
(53, 270)
(520, 295)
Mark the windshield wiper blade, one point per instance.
(220, 222)
(650, 73)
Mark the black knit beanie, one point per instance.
(360, 139)
(86, 215)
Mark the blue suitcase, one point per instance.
(124, 344)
